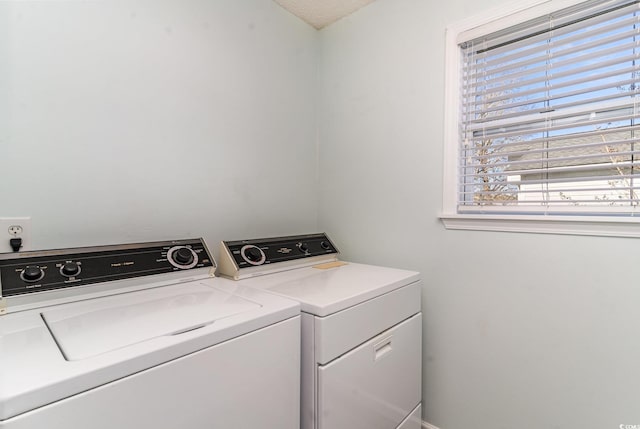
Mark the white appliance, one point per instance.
(361, 329)
(142, 336)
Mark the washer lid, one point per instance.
(34, 372)
(118, 321)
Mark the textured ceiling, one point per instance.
(320, 13)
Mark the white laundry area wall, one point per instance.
(521, 331)
(157, 119)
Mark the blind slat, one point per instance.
(542, 52)
(532, 125)
(561, 160)
(601, 55)
(595, 190)
(563, 138)
(625, 165)
(591, 29)
(531, 149)
(474, 69)
(584, 179)
(564, 202)
(551, 85)
(596, 70)
(552, 106)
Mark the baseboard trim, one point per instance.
(426, 425)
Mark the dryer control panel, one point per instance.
(252, 257)
(36, 271)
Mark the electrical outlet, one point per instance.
(15, 230)
(15, 227)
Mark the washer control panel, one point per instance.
(35, 271)
(256, 256)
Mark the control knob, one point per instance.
(32, 273)
(303, 247)
(183, 256)
(70, 269)
(253, 254)
(325, 245)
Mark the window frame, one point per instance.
(573, 223)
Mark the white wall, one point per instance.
(157, 119)
(520, 330)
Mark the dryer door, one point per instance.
(376, 385)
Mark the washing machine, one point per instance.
(361, 329)
(142, 336)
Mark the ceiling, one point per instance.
(320, 13)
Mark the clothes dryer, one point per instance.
(139, 336)
(361, 329)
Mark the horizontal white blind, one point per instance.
(550, 114)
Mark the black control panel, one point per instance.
(36, 271)
(261, 251)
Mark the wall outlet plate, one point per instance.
(15, 227)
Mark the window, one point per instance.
(543, 116)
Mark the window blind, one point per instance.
(550, 114)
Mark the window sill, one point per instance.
(604, 226)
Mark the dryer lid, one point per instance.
(90, 329)
(322, 292)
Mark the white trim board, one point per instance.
(564, 225)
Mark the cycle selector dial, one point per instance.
(32, 273)
(70, 269)
(325, 245)
(253, 254)
(303, 247)
(182, 257)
